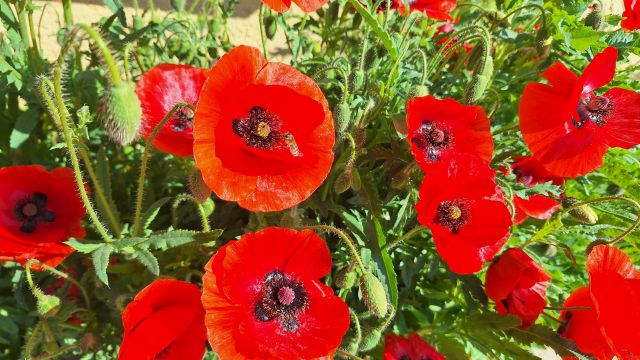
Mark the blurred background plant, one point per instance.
(368, 63)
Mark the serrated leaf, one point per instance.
(545, 189)
(83, 247)
(130, 242)
(100, 259)
(146, 258)
(622, 171)
(152, 212)
(170, 239)
(58, 146)
(381, 33)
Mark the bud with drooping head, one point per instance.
(197, 187)
(595, 19)
(479, 82)
(543, 40)
(342, 116)
(345, 278)
(370, 340)
(374, 295)
(48, 305)
(584, 213)
(122, 113)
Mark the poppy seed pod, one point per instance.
(374, 295)
(343, 182)
(584, 213)
(122, 113)
(48, 305)
(370, 340)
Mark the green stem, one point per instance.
(406, 236)
(68, 13)
(303, 23)
(143, 166)
(389, 319)
(342, 235)
(263, 35)
(100, 195)
(186, 197)
(68, 136)
(356, 324)
(104, 50)
(36, 291)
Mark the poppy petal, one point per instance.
(600, 71)
(623, 123)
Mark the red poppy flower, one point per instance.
(631, 15)
(530, 172)
(615, 291)
(464, 209)
(445, 129)
(263, 298)
(159, 90)
(263, 132)
(518, 286)
(581, 326)
(164, 321)
(443, 38)
(414, 348)
(434, 9)
(39, 210)
(305, 5)
(569, 128)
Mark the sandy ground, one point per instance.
(243, 27)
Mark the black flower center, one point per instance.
(259, 129)
(432, 140)
(32, 210)
(282, 299)
(182, 119)
(593, 108)
(453, 214)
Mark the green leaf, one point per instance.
(83, 247)
(546, 336)
(623, 171)
(546, 188)
(146, 258)
(152, 212)
(130, 242)
(387, 263)
(118, 9)
(170, 239)
(25, 124)
(100, 259)
(382, 34)
(584, 37)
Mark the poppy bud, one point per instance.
(417, 91)
(345, 278)
(197, 187)
(342, 116)
(358, 79)
(48, 305)
(177, 5)
(122, 113)
(270, 26)
(479, 83)
(550, 250)
(543, 41)
(332, 14)
(343, 182)
(373, 294)
(352, 348)
(584, 214)
(595, 18)
(370, 340)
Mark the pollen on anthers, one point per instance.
(262, 129)
(432, 139)
(453, 214)
(593, 108)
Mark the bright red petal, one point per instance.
(600, 71)
(159, 90)
(278, 5)
(582, 325)
(310, 5)
(396, 346)
(623, 123)
(422, 349)
(631, 15)
(537, 206)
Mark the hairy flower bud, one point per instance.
(345, 278)
(122, 113)
(418, 91)
(595, 18)
(543, 41)
(197, 187)
(48, 305)
(370, 340)
(584, 213)
(342, 116)
(479, 82)
(270, 26)
(358, 79)
(374, 295)
(343, 182)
